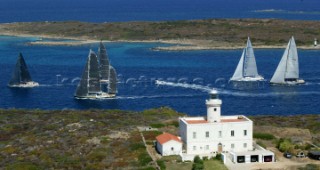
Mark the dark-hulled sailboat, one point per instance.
(21, 76)
(99, 78)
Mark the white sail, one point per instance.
(292, 71)
(250, 66)
(247, 67)
(288, 67)
(238, 74)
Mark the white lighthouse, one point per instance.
(213, 107)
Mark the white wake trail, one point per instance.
(185, 85)
(236, 93)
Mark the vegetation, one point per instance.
(310, 167)
(161, 164)
(197, 163)
(214, 165)
(229, 31)
(88, 139)
(285, 145)
(263, 136)
(109, 139)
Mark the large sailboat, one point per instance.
(247, 67)
(287, 72)
(94, 78)
(21, 76)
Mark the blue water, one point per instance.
(58, 69)
(154, 10)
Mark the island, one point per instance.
(183, 35)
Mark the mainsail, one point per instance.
(288, 67)
(112, 87)
(90, 80)
(103, 62)
(247, 65)
(21, 74)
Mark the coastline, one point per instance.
(176, 44)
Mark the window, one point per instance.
(207, 134)
(220, 134)
(232, 146)
(232, 133)
(245, 145)
(194, 148)
(245, 132)
(207, 147)
(194, 135)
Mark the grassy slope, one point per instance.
(230, 31)
(95, 139)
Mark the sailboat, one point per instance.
(287, 72)
(247, 67)
(95, 76)
(21, 76)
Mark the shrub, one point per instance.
(161, 164)
(218, 157)
(174, 123)
(286, 145)
(264, 136)
(157, 125)
(137, 146)
(310, 167)
(144, 159)
(197, 163)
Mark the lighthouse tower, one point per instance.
(213, 107)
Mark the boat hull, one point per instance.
(29, 84)
(297, 82)
(258, 78)
(97, 96)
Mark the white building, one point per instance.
(207, 136)
(168, 144)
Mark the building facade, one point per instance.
(168, 144)
(232, 135)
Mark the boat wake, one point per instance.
(185, 85)
(236, 93)
(156, 96)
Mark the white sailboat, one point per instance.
(287, 72)
(247, 67)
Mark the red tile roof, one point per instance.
(233, 120)
(196, 121)
(166, 137)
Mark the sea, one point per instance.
(148, 78)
